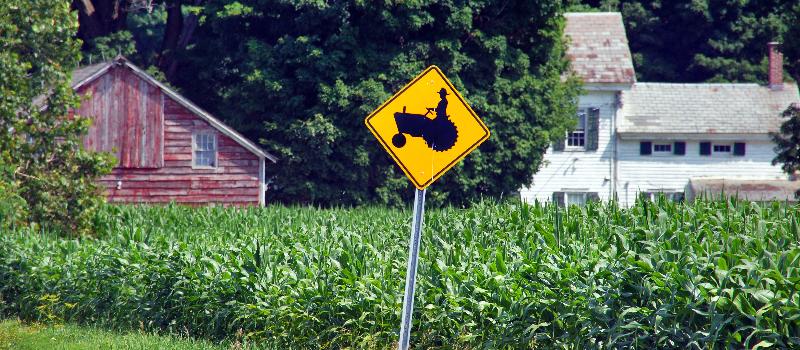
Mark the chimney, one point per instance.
(775, 66)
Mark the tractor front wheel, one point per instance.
(399, 140)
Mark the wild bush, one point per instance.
(41, 151)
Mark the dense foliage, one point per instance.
(787, 142)
(45, 175)
(658, 275)
(301, 76)
(791, 44)
(787, 139)
(701, 40)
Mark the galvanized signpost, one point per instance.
(425, 146)
(411, 271)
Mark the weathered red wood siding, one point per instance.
(139, 138)
(128, 119)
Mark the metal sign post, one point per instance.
(411, 271)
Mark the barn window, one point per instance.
(204, 150)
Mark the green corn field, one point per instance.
(706, 275)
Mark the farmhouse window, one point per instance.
(672, 196)
(204, 150)
(558, 198)
(662, 148)
(577, 137)
(722, 148)
(574, 198)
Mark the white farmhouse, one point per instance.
(637, 138)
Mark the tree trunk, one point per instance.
(172, 33)
(176, 37)
(100, 17)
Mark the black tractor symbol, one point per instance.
(439, 133)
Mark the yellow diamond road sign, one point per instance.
(427, 127)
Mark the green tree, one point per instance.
(152, 33)
(701, 40)
(787, 140)
(301, 76)
(791, 43)
(41, 156)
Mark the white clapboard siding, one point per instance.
(579, 171)
(672, 172)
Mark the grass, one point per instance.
(15, 335)
(710, 275)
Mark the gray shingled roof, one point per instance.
(598, 48)
(704, 108)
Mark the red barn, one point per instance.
(168, 148)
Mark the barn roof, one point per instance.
(87, 74)
(662, 108)
(82, 74)
(598, 48)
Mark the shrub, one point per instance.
(13, 209)
(40, 146)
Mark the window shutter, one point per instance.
(592, 129)
(679, 148)
(705, 148)
(558, 145)
(592, 197)
(645, 148)
(558, 198)
(738, 149)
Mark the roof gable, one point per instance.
(598, 48)
(87, 74)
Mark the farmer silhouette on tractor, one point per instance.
(439, 133)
